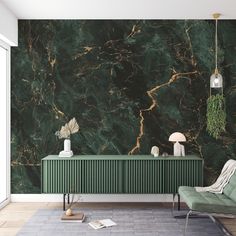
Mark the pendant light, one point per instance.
(216, 114)
(216, 80)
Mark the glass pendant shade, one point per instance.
(216, 81)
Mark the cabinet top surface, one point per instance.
(120, 157)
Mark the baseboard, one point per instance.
(94, 197)
(4, 203)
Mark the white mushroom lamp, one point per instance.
(178, 148)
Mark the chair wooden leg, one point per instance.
(186, 222)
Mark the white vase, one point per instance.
(67, 145)
(67, 152)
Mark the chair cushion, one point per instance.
(207, 202)
(230, 188)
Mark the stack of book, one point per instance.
(98, 224)
(76, 217)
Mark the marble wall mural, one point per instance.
(129, 84)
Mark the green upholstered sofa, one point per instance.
(206, 202)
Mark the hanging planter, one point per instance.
(216, 115)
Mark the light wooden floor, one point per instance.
(14, 215)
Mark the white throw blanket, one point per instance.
(225, 175)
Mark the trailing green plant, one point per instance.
(216, 115)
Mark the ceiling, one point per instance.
(121, 9)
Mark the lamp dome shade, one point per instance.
(216, 81)
(177, 137)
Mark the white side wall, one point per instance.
(8, 26)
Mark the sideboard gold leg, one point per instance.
(64, 201)
(178, 202)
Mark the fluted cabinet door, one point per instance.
(182, 173)
(143, 176)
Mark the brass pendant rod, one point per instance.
(216, 16)
(216, 48)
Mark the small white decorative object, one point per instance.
(70, 128)
(178, 148)
(155, 151)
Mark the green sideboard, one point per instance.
(125, 174)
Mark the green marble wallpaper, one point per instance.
(129, 84)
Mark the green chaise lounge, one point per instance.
(210, 203)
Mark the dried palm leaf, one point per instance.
(64, 132)
(73, 126)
